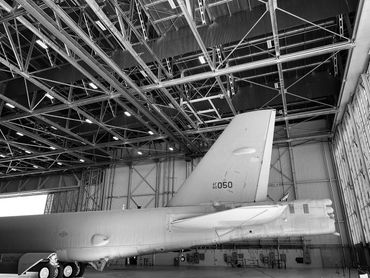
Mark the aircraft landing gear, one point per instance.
(82, 270)
(70, 270)
(48, 270)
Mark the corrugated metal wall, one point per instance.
(351, 150)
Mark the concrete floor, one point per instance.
(211, 272)
(219, 272)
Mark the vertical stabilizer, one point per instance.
(236, 168)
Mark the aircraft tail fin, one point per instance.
(236, 168)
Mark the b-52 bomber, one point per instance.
(223, 200)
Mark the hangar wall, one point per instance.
(351, 149)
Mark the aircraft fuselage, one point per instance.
(98, 235)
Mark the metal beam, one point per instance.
(129, 161)
(94, 64)
(42, 140)
(84, 148)
(357, 61)
(304, 54)
(29, 113)
(303, 115)
(203, 48)
(127, 45)
(44, 19)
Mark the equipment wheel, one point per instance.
(82, 270)
(70, 270)
(48, 271)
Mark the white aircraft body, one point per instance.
(223, 200)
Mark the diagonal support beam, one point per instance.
(29, 113)
(128, 46)
(73, 45)
(40, 139)
(203, 48)
(14, 47)
(83, 148)
(304, 54)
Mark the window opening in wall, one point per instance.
(291, 208)
(25, 205)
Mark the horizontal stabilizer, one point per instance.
(249, 215)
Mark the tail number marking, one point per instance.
(222, 184)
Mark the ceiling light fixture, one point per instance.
(52, 148)
(49, 96)
(128, 114)
(170, 148)
(42, 44)
(202, 60)
(139, 153)
(115, 138)
(2, 156)
(53, 127)
(88, 121)
(27, 151)
(10, 105)
(150, 132)
(92, 85)
(143, 73)
(20, 134)
(59, 163)
(35, 166)
(82, 160)
(101, 26)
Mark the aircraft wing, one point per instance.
(249, 215)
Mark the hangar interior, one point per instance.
(110, 104)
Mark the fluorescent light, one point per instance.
(49, 96)
(81, 160)
(143, 73)
(1, 155)
(13, 169)
(10, 105)
(20, 134)
(35, 166)
(139, 153)
(27, 151)
(127, 114)
(101, 26)
(150, 132)
(88, 121)
(92, 85)
(115, 138)
(42, 44)
(202, 60)
(59, 163)
(52, 148)
(53, 127)
(170, 148)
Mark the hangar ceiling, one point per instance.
(88, 83)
